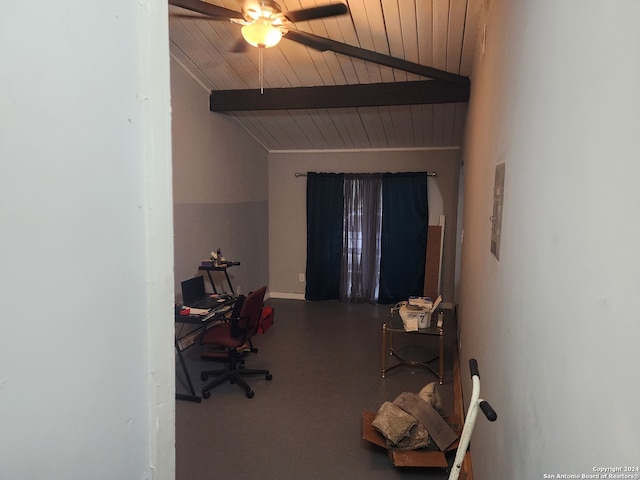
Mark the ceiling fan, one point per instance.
(263, 22)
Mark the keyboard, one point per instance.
(215, 312)
(209, 302)
(206, 303)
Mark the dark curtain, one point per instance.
(324, 234)
(405, 216)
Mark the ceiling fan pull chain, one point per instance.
(261, 69)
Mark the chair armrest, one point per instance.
(238, 326)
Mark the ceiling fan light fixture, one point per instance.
(261, 33)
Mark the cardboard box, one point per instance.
(410, 458)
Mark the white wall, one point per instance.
(554, 323)
(220, 189)
(86, 359)
(287, 204)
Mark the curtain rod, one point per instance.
(429, 174)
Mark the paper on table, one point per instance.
(409, 319)
(437, 302)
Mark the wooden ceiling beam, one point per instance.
(323, 44)
(340, 96)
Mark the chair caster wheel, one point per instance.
(250, 394)
(268, 376)
(203, 376)
(206, 394)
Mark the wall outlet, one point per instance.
(301, 277)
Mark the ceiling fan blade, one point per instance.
(192, 16)
(212, 11)
(323, 44)
(313, 13)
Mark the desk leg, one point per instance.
(441, 359)
(384, 349)
(213, 285)
(182, 396)
(228, 280)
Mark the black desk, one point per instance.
(194, 325)
(219, 268)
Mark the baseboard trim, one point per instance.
(287, 296)
(300, 296)
(466, 472)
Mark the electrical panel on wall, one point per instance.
(496, 218)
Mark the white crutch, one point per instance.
(470, 421)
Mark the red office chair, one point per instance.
(231, 336)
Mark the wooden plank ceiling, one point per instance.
(436, 33)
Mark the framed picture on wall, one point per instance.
(498, 202)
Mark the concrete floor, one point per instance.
(325, 358)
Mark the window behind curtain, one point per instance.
(360, 268)
(341, 246)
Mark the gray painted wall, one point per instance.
(554, 323)
(86, 359)
(219, 189)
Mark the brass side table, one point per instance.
(395, 326)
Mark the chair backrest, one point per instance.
(251, 311)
